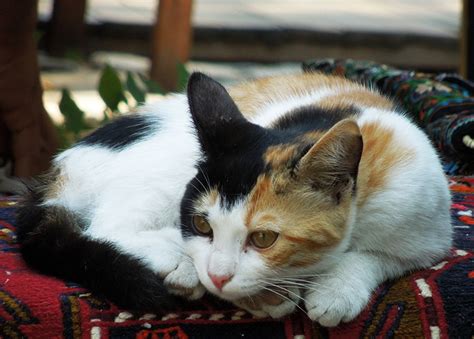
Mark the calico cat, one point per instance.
(301, 189)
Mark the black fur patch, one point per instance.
(219, 124)
(51, 242)
(123, 131)
(313, 118)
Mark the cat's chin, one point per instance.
(234, 295)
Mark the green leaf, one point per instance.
(105, 117)
(73, 115)
(183, 76)
(64, 142)
(38, 35)
(111, 89)
(132, 86)
(152, 86)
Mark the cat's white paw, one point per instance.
(184, 281)
(335, 300)
(271, 305)
(165, 262)
(281, 310)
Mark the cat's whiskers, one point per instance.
(286, 298)
(306, 284)
(250, 297)
(296, 276)
(296, 280)
(286, 289)
(207, 186)
(206, 177)
(198, 189)
(311, 287)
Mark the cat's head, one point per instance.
(266, 203)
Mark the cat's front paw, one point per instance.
(269, 304)
(184, 281)
(332, 301)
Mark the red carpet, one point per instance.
(433, 303)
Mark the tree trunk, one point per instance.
(171, 41)
(30, 139)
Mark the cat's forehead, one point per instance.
(242, 211)
(280, 156)
(234, 175)
(232, 178)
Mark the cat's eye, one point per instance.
(263, 239)
(201, 225)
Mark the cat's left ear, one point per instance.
(219, 123)
(333, 162)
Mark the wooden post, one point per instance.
(171, 41)
(66, 28)
(27, 130)
(467, 40)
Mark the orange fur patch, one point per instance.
(252, 96)
(258, 192)
(381, 153)
(362, 97)
(278, 155)
(307, 224)
(312, 136)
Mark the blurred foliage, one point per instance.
(74, 118)
(74, 54)
(111, 89)
(38, 35)
(116, 90)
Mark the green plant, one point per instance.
(128, 89)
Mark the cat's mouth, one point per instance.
(268, 297)
(255, 294)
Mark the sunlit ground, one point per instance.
(436, 18)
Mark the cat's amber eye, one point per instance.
(201, 225)
(263, 239)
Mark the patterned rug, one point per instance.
(442, 104)
(433, 303)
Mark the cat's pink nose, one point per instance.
(220, 280)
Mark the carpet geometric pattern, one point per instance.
(434, 303)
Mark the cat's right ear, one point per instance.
(334, 160)
(219, 123)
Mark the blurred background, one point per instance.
(237, 39)
(100, 58)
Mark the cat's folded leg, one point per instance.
(184, 281)
(169, 259)
(342, 293)
(271, 304)
(163, 252)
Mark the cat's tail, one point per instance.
(52, 242)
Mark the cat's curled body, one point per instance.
(311, 186)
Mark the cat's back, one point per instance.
(391, 140)
(264, 100)
(136, 152)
